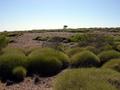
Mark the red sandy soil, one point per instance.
(28, 84)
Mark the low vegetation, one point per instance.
(9, 61)
(85, 59)
(91, 58)
(107, 55)
(19, 73)
(3, 41)
(87, 79)
(113, 64)
(47, 61)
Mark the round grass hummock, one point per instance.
(46, 61)
(85, 59)
(73, 51)
(19, 73)
(10, 50)
(87, 79)
(107, 55)
(3, 41)
(9, 61)
(113, 64)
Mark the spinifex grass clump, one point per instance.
(106, 47)
(107, 55)
(8, 61)
(91, 48)
(73, 51)
(3, 41)
(85, 59)
(19, 73)
(10, 50)
(87, 79)
(46, 61)
(113, 64)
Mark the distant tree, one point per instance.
(65, 27)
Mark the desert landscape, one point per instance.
(50, 59)
(59, 45)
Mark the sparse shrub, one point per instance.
(9, 61)
(87, 79)
(47, 61)
(79, 37)
(40, 38)
(107, 55)
(85, 59)
(19, 73)
(113, 64)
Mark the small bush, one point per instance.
(3, 41)
(87, 79)
(85, 59)
(107, 55)
(113, 64)
(40, 38)
(47, 61)
(19, 73)
(9, 61)
(79, 37)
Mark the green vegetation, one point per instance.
(19, 73)
(106, 47)
(47, 61)
(85, 59)
(9, 61)
(73, 51)
(107, 55)
(87, 79)
(3, 41)
(113, 64)
(10, 50)
(79, 37)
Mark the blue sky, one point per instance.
(44, 14)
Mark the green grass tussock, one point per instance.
(9, 61)
(85, 59)
(47, 61)
(113, 64)
(19, 73)
(107, 55)
(72, 51)
(87, 79)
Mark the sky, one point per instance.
(52, 14)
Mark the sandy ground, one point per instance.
(26, 40)
(29, 84)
